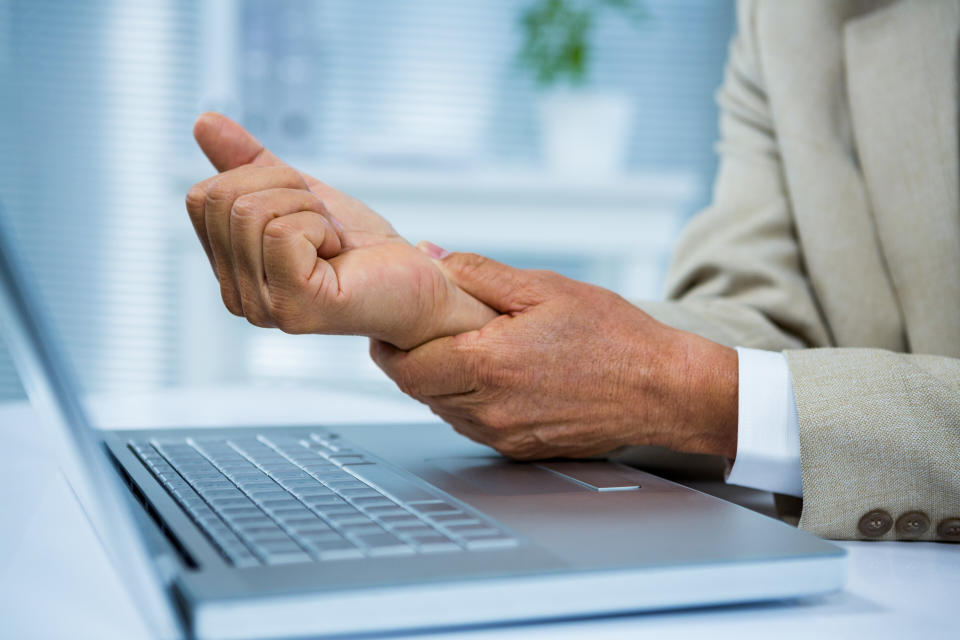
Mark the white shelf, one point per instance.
(518, 184)
(518, 209)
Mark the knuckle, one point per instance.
(542, 282)
(231, 301)
(505, 447)
(486, 370)
(279, 229)
(259, 320)
(467, 263)
(220, 191)
(287, 314)
(409, 382)
(493, 416)
(293, 324)
(375, 350)
(245, 208)
(458, 425)
(544, 276)
(290, 176)
(253, 311)
(522, 455)
(519, 447)
(404, 376)
(195, 199)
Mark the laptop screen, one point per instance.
(51, 387)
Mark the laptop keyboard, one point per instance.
(268, 500)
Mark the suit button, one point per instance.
(949, 530)
(876, 523)
(912, 524)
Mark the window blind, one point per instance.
(97, 110)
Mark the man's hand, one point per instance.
(294, 253)
(568, 370)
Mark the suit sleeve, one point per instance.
(879, 431)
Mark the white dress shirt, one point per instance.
(768, 436)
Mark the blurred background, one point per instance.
(574, 135)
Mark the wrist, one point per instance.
(463, 313)
(704, 385)
(453, 311)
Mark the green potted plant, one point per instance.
(583, 130)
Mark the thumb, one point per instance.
(500, 286)
(228, 145)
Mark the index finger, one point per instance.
(196, 201)
(437, 368)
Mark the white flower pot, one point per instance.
(585, 132)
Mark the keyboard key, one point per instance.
(311, 522)
(295, 474)
(322, 502)
(277, 546)
(287, 557)
(382, 544)
(392, 510)
(478, 530)
(240, 555)
(361, 493)
(353, 529)
(340, 485)
(316, 469)
(338, 510)
(349, 460)
(374, 501)
(313, 493)
(301, 484)
(319, 530)
(258, 486)
(279, 503)
(410, 529)
(248, 519)
(227, 503)
(434, 507)
(214, 494)
(433, 543)
(244, 560)
(346, 519)
(262, 531)
(454, 518)
(333, 549)
(397, 516)
(317, 537)
(241, 510)
(290, 513)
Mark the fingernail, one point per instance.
(432, 250)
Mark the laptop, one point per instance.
(332, 530)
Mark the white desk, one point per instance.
(56, 582)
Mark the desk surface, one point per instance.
(56, 581)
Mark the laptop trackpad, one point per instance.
(499, 476)
(598, 475)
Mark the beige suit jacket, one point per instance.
(834, 236)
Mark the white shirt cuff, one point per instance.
(768, 436)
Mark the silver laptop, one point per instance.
(241, 533)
